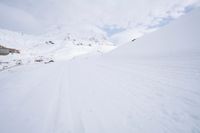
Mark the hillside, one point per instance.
(56, 44)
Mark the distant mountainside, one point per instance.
(58, 44)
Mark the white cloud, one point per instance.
(123, 14)
(16, 19)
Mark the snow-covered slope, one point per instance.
(147, 86)
(57, 44)
(181, 36)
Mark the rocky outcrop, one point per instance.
(6, 51)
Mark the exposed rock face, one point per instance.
(6, 51)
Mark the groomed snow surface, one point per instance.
(151, 85)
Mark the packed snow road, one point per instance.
(102, 96)
(149, 86)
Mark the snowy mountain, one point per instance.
(57, 44)
(150, 85)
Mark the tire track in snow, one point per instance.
(67, 115)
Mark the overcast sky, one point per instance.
(112, 16)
